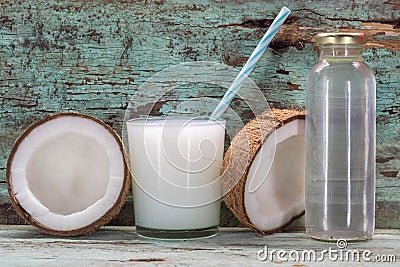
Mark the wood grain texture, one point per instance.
(120, 246)
(91, 57)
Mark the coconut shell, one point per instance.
(236, 165)
(112, 212)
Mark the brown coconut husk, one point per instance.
(248, 141)
(111, 213)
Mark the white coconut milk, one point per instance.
(176, 165)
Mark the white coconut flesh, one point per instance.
(274, 194)
(67, 173)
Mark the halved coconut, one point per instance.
(67, 175)
(269, 183)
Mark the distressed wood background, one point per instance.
(91, 57)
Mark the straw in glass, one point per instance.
(251, 62)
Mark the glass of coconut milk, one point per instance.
(175, 165)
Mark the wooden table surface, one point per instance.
(120, 246)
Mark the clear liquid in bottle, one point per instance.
(340, 144)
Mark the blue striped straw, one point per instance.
(251, 62)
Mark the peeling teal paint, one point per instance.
(91, 56)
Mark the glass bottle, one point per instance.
(340, 141)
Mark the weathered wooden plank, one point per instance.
(91, 57)
(231, 247)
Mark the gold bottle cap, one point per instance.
(341, 38)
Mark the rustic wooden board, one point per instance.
(91, 57)
(119, 246)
